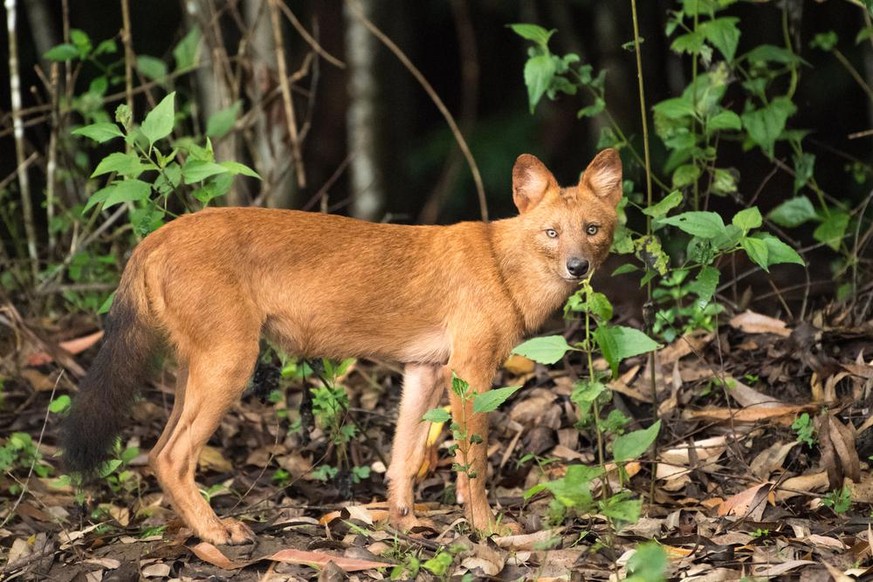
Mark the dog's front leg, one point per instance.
(471, 455)
(422, 388)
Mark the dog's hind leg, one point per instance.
(214, 380)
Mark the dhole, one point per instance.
(439, 299)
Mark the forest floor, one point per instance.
(736, 493)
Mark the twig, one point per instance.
(459, 138)
(301, 30)
(126, 40)
(290, 118)
(23, 179)
(52, 164)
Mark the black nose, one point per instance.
(577, 267)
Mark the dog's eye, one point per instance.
(551, 233)
(592, 229)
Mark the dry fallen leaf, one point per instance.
(751, 322)
(213, 459)
(749, 503)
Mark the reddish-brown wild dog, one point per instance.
(439, 299)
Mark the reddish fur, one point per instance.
(436, 298)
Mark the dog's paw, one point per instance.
(227, 531)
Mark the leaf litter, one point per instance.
(736, 492)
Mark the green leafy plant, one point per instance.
(804, 428)
(648, 564)
(149, 172)
(839, 500)
(19, 453)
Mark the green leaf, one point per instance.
(724, 120)
(221, 122)
(492, 399)
(804, 166)
(106, 305)
(622, 509)
(538, 74)
(685, 175)
(545, 350)
(62, 52)
(533, 33)
(632, 445)
(768, 53)
(765, 125)
(218, 186)
(574, 488)
(706, 225)
(670, 201)
(793, 212)
(676, 108)
(60, 404)
(99, 132)
(126, 164)
(238, 168)
(82, 41)
(198, 170)
(187, 51)
(151, 67)
(648, 564)
(618, 342)
(832, 230)
(779, 252)
(690, 43)
(600, 306)
(437, 415)
(748, 218)
(825, 41)
(723, 34)
(158, 124)
(704, 285)
(127, 191)
(757, 251)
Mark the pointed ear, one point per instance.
(602, 177)
(530, 182)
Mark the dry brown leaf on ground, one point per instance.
(771, 459)
(751, 322)
(211, 554)
(801, 485)
(526, 542)
(212, 458)
(749, 503)
(839, 457)
(748, 396)
(486, 559)
(783, 414)
(682, 346)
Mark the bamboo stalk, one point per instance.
(18, 125)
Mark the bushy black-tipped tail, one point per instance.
(108, 390)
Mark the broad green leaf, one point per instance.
(545, 350)
(648, 564)
(748, 218)
(676, 108)
(574, 488)
(221, 122)
(723, 34)
(107, 46)
(724, 120)
(158, 124)
(690, 43)
(621, 508)
(670, 201)
(492, 399)
(81, 40)
(832, 229)
(62, 52)
(186, 52)
(804, 166)
(238, 168)
(825, 41)
(99, 132)
(697, 223)
(724, 181)
(704, 285)
(793, 212)
(219, 186)
(685, 175)
(106, 305)
(704, 7)
(618, 342)
(765, 53)
(437, 415)
(600, 306)
(765, 125)
(151, 67)
(757, 251)
(538, 74)
(126, 164)
(197, 170)
(60, 404)
(533, 32)
(779, 252)
(632, 445)
(127, 191)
